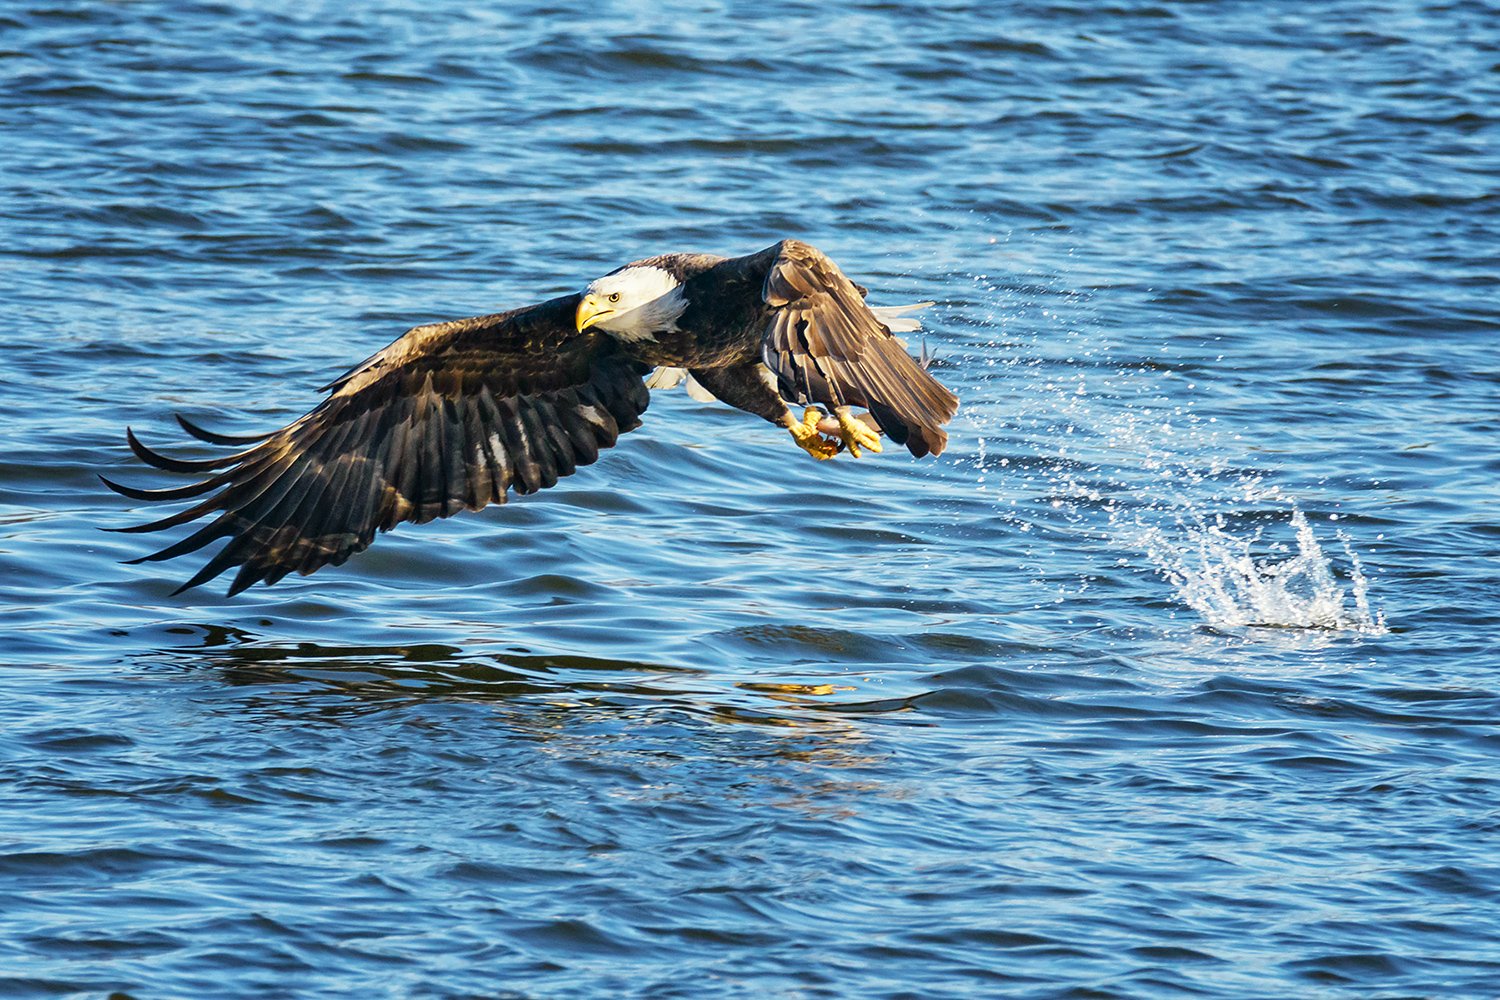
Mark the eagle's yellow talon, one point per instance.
(807, 437)
(855, 433)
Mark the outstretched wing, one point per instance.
(825, 346)
(445, 419)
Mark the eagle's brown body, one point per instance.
(452, 415)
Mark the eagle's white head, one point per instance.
(634, 303)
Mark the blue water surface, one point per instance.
(1173, 677)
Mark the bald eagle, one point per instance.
(452, 415)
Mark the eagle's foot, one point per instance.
(807, 436)
(855, 432)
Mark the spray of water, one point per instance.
(1218, 574)
(1122, 440)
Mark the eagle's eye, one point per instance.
(614, 296)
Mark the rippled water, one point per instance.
(1174, 676)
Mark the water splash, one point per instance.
(1112, 437)
(1217, 574)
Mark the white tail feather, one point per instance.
(892, 317)
(665, 378)
(670, 378)
(696, 391)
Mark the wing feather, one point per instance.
(496, 451)
(447, 418)
(328, 517)
(176, 464)
(825, 346)
(233, 440)
(179, 493)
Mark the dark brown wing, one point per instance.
(825, 346)
(445, 419)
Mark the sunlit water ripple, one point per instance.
(1172, 677)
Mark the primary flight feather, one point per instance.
(452, 415)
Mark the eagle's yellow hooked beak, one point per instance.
(590, 311)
